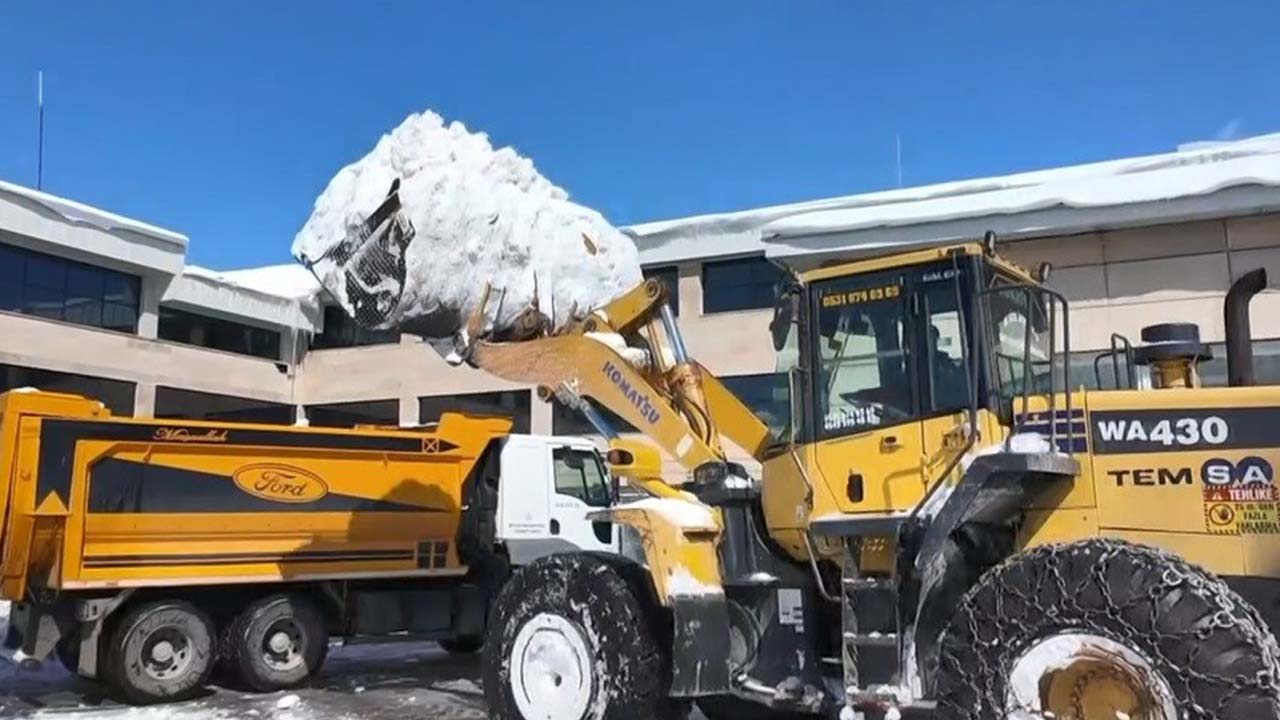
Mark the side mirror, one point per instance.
(784, 314)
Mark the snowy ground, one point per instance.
(365, 682)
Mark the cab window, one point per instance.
(947, 380)
(862, 376)
(580, 475)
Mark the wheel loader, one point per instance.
(951, 524)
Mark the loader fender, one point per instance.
(967, 535)
(679, 539)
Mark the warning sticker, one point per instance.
(1240, 498)
(790, 606)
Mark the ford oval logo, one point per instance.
(280, 483)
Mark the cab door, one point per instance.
(581, 486)
(945, 372)
(868, 445)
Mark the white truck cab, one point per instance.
(548, 485)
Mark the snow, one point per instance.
(1025, 443)
(287, 702)
(681, 584)
(480, 216)
(291, 282)
(1188, 172)
(1131, 185)
(684, 513)
(81, 214)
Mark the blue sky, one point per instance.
(224, 120)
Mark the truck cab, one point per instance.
(549, 485)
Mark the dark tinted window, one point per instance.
(670, 277)
(768, 396)
(204, 331)
(514, 404)
(742, 284)
(567, 421)
(373, 412)
(51, 287)
(192, 405)
(341, 330)
(117, 395)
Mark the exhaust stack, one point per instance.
(1239, 337)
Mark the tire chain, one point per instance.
(989, 628)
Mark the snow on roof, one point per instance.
(277, 295)
(1195, 170)
(290, 281)
(81, 214)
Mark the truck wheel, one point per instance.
(159, 651)
(465, 645)
(1106, 629)
(570, 640)
(276, 642)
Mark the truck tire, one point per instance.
(158, 651)
(570, 640)
(277, 642)
(1104, 628)
(465, 645)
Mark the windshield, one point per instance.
(1020, 339)
(862, 379)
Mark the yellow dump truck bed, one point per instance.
(93, 501)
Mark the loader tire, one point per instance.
(569, 640)
(1104, 628)
(275, 643)
(159, 651)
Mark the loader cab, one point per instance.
(894, 357)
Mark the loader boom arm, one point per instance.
(671, 399)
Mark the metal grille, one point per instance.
(372, 263)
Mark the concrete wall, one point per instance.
(1122, 281)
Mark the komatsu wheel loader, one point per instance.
(951, 523)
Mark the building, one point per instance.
(96, 303)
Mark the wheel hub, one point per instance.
(1080, 676)
(282, 645)
(166, 653)
(551, 669)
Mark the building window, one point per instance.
(51, 287)
(210, 332)
(567, 421)
(117, 395)
(767, 394)
(192, 405)
(669, 276)
(341, 330)
(742, 284)
(350, 414)
(514, 404)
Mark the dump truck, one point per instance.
(144, 553)
(952, 523)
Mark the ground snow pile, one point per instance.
(478, 216)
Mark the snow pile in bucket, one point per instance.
(469, 217)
